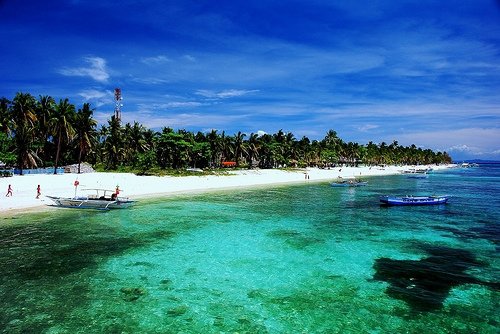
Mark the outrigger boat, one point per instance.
(413, 200)
(351, 182)
(417, 175)
(101, 200)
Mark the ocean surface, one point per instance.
(306, 258)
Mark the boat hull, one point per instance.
(413, 200)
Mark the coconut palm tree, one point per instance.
(304, 155)
(239, 148)
(215, 147)
(62, 127)
(24, 117)
(136, 138)
(113, 144)
(85, 130)
(266, 151)
(289, 149)
(227, 147)
(252, 148)
(45, 109)
(5, 117)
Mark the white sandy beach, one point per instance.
(137, 187)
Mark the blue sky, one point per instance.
(419, 72)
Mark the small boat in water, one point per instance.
(417, 175)
(413, 200)
(349, 183)
(99, 201)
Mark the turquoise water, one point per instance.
(306, 258)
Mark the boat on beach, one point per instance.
(101, 200)
(413, 200)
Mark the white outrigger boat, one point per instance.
(101, 200)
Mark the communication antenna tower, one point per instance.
(118, 104)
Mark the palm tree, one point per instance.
(238, 146)
(332, 147)
(304, 150)
(137, 141)
(266, 151)
(86, 134)
(278, 148)
(23, 117)
(45, 108)
(372, 153)
(252, 148)
(61, 122)
(331, 138)
(215, 147)
(5, 117)
(226, 145)
(113, 144)
(289, 149)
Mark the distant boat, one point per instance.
(99, 201)
(417, 175)
(413, 200)
(349, 183)
(469, 165)
(414, 170)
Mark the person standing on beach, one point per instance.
(9, 191)
(38, 192)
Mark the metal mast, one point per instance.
(118, 104)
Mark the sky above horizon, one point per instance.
(419, 72)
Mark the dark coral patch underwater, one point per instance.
(425, 284)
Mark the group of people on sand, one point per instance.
(10, 191)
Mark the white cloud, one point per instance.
(181, 104)
(462, 148)
(154, 107)
(190, 58)
(367, 127)
(90, 94)
(103, 117)
(97, 98)
(96, 70)
(150, 81)
(224, 94)
(260, 133)
(155, 60)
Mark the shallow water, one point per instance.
(291, 259)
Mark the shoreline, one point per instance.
(137, 187)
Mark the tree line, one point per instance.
(45, 133)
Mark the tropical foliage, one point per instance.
(43, 133)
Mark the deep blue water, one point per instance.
(306, 258)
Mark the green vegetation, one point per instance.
(41, 133)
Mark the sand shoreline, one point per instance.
(137, 187)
